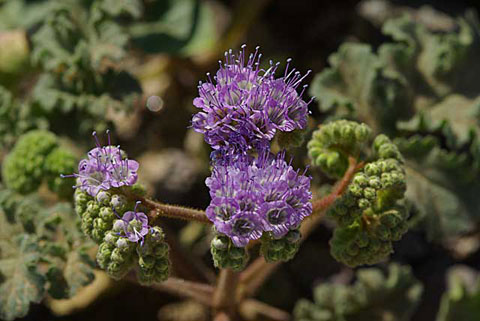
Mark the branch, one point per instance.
(251, 309)
(224, 298)
(258, 272)
(202, 293)
(167, 210)
(174, 211)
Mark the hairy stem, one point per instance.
(225, 296)
(258, 272)
(202, 293)
(167, 210)
(174, 211)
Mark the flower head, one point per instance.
(252, 196)
(105, 167)
(244, 105)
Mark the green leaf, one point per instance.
(461, 302)
(22, 284)
(456, 117)
(114, 8)
(65, 251)
(185, 27)
(78, 270)
(373, 296)
(441, 187)
(359, 84)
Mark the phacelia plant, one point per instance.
(250, 116)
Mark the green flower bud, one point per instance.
(226, 255)
(119, 202)
(107, 215)
(331, 145)
(282, 249)
(103, 198)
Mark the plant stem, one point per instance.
(251, 309)
(174, 211)
(167, 210)
(202, 293)
(258, 272)
(225, 296)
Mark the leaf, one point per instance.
(78, 270)
(441, 187)
(359, 84)
(31, 13)
(185, 27)
(22, 283)
(64, 249)
(114, 8)
(373, 296)
(461, 302)
(456, 117)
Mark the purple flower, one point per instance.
(134, 224)
(245, 105)
(105, 167)
(255, 195)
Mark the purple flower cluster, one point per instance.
(105, 167)
(245, 105)
(255, 195)
(134, 225)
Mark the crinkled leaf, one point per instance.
(64, 250)
(185, 27)
(133, 8)
(441, 187)
(358, 83)
(21, 283)
(30, 12)
(461, 302)
(373, 296)
(456, 116)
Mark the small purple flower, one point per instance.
(255, 195)
(124, 172)
(105, 167)
(245, 105)
(135, 225)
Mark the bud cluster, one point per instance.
(98, 213)
(226, 255)
(332, 143)
(37, 157)
(370, 215)
(281, 249)
(130, 243)
(153, 262)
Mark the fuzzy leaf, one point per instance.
(441, 187)
(461, 302)
(373, 296)
(21, 282)
(185, 27)
(358, 83)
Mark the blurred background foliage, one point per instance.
(406, 68)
